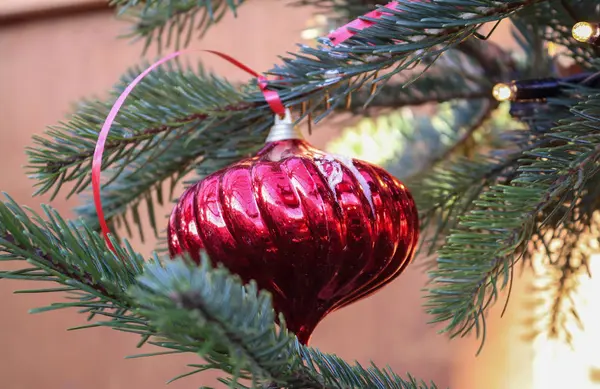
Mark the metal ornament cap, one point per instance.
(284, 129)
(317, 231)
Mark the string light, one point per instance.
(586, 32)
(527, 90)
(503, 92)
(540, 89)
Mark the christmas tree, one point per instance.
(503, 173)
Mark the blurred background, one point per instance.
(54, 52)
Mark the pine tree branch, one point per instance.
(50, 159)
(53, 267)
(560, 310)
(441, 84)
(447, 193)
(476, 261)
(119, 144)
(559, 255)
(552, 22)
(181, 101)
(142, 163)
(397, 41)
(143, 181)
(167, 105)
(181, 302)
(340, 375)
(177, 19)
(186, 308)
(273, 357)
(488, 54)
(178, 104)
(552, 306)
(75, 258)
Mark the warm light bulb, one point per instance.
(503, 92)
(585, 32)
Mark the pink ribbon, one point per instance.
(271, 97)
(343, 33)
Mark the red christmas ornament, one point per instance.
(317, 231)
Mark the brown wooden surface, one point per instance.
(48, 64)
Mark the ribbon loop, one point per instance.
(271, 97)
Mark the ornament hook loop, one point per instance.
(284, 128)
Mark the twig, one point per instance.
(72, 271)
(58, 165)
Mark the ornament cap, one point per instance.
(284, 129)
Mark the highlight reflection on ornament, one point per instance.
(317, 231)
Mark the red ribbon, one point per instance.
(271, 97)
(343, 33)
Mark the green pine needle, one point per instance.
(477, 260)
(176, 136)
(183, 307)
(172, 23)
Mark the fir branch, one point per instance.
(476, 261)
(447, 193)
(562, 308)
(168, 103)
(142, 182)
(176, 104)
(184, 303)
(139, 180)
(552, 22)
(441, 84)
(182, 102)
(151, 156)
(552, 306)
(339, 374)
(185, 308)
(172, 23)
(62, 253)
(55, 250)
(399, 40)
(559, 255)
